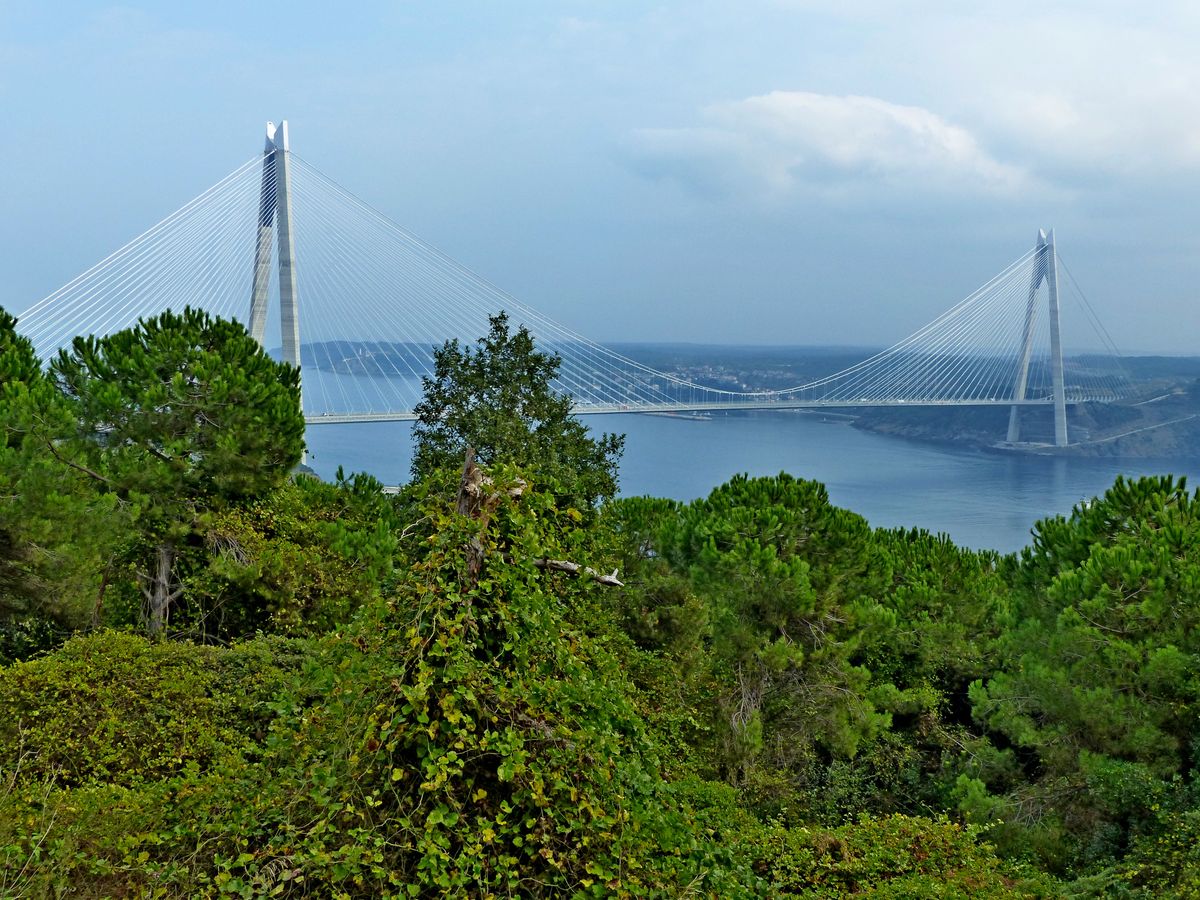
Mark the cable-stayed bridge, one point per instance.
(361, 304)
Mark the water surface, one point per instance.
(980, 499)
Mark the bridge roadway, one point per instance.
(719, 406)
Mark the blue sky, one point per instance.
(765, 171)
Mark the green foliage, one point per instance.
(461, 738)
(300, 560)
(820, 666)
(789, 585)
(492, 739)
(18, 363)
(185, 405)
(177, 416)
(57, 534)
(949, 604)
(23, 637)
(498, 400)
(115, 708)
(946, 605)
(1166, 863)
(1100, 689)
(894, 857)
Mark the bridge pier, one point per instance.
(275, 215)
(265, 241)
(289, 295)
(1056, 359)
(1045, 269)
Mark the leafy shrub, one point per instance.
(491, 742)
(893, 857)
(117, 708)
(1167, 864)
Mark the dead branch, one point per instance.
(472, 503)
(228, 545)
(470, 487)
(74, 465)
(409, 528)
(477, 502)
(573, 568)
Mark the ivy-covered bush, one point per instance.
(462, 737)
(893, 857)
(490, 745)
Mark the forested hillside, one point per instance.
(220, 677)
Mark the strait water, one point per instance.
(980, 499)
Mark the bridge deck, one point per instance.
(628, 409)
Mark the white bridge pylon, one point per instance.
(275, 208)
(329, 283)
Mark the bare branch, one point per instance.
(573, 568)
(74, 465)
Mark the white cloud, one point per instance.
(1070, 90)
(785, 140)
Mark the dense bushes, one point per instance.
(132, 768)
(119, 709)
(297, 561)
(779, 702)
(462, 736)
(894, 857)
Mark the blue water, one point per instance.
(980, 499)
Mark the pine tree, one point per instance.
(56, 530)
(180, 415)
(1100, 683)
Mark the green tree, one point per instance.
(792, 585)
(20, 380)
(299, 560)
(56, 532)
(1100, 690)
(179, 416)
(836, 659)
(498, 399)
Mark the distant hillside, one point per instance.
(1162, 419)
(1167, 424)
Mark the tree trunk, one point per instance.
(159, 595)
